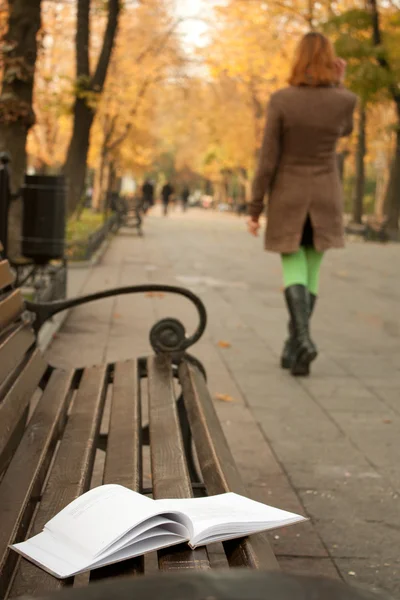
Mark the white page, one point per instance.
(135, 534)
(100, 517)
(152, 527)
(62, 562)
(52, 555)
(229, 515)
(164, 540)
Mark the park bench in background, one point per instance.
(50, 429)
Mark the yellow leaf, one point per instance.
(223, 344)
(224, 397)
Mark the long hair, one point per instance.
(314, 63)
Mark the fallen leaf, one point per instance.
(224, 398)
(371, 319)
(223, 344)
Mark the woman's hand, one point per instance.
(253, 226)
(340, 66)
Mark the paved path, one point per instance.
(327, 446)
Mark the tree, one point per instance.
(366, 77)
(147, 53)
(359, 188)
(18, 57)
(393, 195)
(49, 137)
(89, 86)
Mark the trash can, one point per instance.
(43, 227)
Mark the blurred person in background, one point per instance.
(185, 198)
(166, 194)
(148, 195)
(298, 169)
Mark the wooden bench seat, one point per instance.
(50, 430)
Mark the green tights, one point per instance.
(302, 267)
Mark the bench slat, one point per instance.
(70, 475)
(11, 307)
(217, 465)
(169, 470)
(6, 275)
(13, 349)
(123, 464)
(15, 405)
(124, 455)
(23, 481)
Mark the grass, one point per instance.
(78, 231)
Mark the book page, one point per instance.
(148, 529)
(227, 516)
(49, 553)
(97, 519)
(60, 560)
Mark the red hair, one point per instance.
(315, 62)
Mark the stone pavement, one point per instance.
(327, 446)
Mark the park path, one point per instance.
(327, 446)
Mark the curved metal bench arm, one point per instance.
(167, 335)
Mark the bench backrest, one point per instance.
(21, 366)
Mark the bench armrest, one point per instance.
(167, 335)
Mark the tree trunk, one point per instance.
(75, 166)
(341, 159)
(88, 87)
(358, 201)
(98, 177)
(393, 195)
(381, 192)
(105, 186)
(16, 112)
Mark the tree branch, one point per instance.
(377, 41)
(148, 81)
(82, 39)
(155, 50)
(99, 77)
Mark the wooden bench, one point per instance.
(50, 430)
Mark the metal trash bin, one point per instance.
(44, 218)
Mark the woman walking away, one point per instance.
(298, 168)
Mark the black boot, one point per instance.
(304, 350)
(288, 349)
(287, 352)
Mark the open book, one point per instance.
(111, 523)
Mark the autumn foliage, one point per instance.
(197, 114)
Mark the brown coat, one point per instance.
(298, 166)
